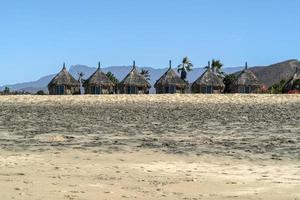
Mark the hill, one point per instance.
(270, 75)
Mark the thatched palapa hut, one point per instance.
(208, 82)
(98, 83)
(63, 83)
(134, 83)
(247, 82)
(170, 83)
(293, 85)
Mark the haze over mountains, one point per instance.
(268, 75)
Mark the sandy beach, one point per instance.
(150, 147)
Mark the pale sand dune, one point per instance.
(150, 147)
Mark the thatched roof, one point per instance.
(64, 78)
(247, 77)
(135, 78)
(170, 78)
(98, 78)
(209, 78)
(294, 82)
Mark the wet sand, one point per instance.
(150, 147)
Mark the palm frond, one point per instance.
(146, 74)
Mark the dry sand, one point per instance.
(150, 147)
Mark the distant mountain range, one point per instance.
(268, 75)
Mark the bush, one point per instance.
(294, 92)
(40, 92)
(229, 81)
(277, 88)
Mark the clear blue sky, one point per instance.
(37, 36)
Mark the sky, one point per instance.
(37, 36)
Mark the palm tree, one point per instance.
(185, 67)
(6, 90)
(146, 74)
(216, 65)
(81, 81)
